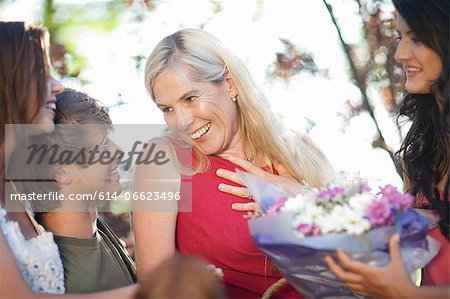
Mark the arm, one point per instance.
(154, 223)
(11, 281)
(390, 281)
(155, 239)
(12, 284)
(430, 292)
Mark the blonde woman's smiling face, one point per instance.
(422, 65)
(202, 112)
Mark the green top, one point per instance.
(96, 264)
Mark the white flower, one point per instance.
(327, 224)
(335, 221)
(352, 190)
(294, 204)
(344, 212)
(360, 202)
(313, 211)
(359, 227)
(301, 219)
(355, 223)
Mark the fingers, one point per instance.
(332, 265)
(229, 175)
(238, 191)
(346, 277)
(354, 266)
(286, 183)
(358, 289)
(250, 206)
(247, 166)
(354, 282)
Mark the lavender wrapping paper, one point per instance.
(300, 260)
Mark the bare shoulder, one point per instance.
(156, 188)
(160, 156)
(12, 284)
(156, 185)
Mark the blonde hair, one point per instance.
(208, 60)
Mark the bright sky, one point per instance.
(251, 30)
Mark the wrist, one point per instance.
(411, 291)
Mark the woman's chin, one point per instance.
(45, 127)
(416, 88)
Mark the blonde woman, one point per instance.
(211, 104)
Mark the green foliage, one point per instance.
(3, 2)
(104, 16)
(64, 21)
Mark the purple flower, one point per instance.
(279, 203)
(398, 201)
(406, 202)
(364, 187)
(389, 191)
(379, 213)
(330, 193)
(309, 230)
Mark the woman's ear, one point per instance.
(230, 84)
(62, 176)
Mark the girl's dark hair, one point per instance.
(23, 71)
(23, 77)
(425, 150)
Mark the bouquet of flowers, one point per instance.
(297, 232)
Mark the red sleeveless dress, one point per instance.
(437, 272)
(220, 235)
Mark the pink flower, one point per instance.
(330, 193)
(398, 201)
(279, 203)
(364, 187)
(379, 213)
(309, 230)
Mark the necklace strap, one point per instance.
(28, 210)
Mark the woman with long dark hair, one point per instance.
(27, 96)
(423, 50)
(30, 264)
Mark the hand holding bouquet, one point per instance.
(298, 232)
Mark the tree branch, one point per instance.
(361, 84)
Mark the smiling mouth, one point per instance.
(51, 106)
(201, 132)
(412, 69)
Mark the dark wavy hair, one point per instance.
(23, 77)
(425, 150)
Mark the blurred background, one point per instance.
(326, 66)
